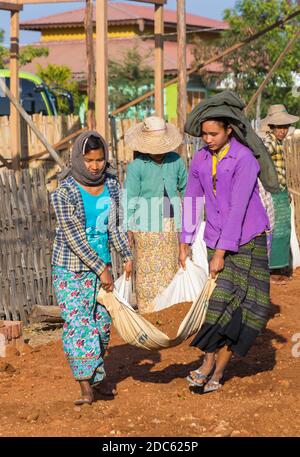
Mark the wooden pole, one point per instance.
(27, 118)
(101, 69)
(14, 87)
(159, 60)
(91, 77)
(201, 67)
(258, 113)
(272, 71)
(181, 63)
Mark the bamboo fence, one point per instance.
(293, 174)
(26, 233)
(54, 128)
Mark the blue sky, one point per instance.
(212, 9)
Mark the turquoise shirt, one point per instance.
(96, 209)
(144, 191)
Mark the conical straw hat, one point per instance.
(153, 136)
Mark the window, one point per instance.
(31, 100)
(4, 102)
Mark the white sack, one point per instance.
(199, 249)
(124, 288)
(184, 287)
(294, 241)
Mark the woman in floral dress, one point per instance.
(86, 205)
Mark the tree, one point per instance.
(128, 80)
(60, 77)
(2, 48)
(249, 65)
(27, 53)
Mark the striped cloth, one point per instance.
(281, 238)
(71, 249)
(239, 306)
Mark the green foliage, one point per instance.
(250, 64)
(60, 76)
(3, 50)
(27, 53)
(128, 80)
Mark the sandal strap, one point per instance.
(199, 375)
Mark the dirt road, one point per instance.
(260, 397)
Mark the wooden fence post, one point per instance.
(14, 87)
(159, 60)
(182, 79)
(101, 69)
(91, 80)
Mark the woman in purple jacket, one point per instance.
(225, 173)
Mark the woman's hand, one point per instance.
(107, 281)
(183, 254)
(130, 238)
(128, 266)
(217, 262)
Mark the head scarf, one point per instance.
(78, 168)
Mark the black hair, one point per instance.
(93, 142)
(136, 154)
(221, 121)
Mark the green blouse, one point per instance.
(145, 185)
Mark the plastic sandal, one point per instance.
(198, 377)
(212, 386)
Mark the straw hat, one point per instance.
(278, 115)
(153, 136)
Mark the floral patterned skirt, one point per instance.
(156, 257)
(86, 330)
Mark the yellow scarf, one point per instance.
(216, 158)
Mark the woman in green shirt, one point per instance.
(154, 183)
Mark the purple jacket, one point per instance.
(235, 215)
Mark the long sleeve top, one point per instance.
(71, 249)
(145, 189)
(235, 215)
(276, 151)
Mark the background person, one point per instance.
(154, 182)
(278, 121)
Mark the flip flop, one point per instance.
(212, 386)
(198, 377)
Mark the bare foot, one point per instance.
(279, 280)
(84, 401)
(87, 395)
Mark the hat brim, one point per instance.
(280, 119)
(149, 143)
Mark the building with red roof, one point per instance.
(129, 26)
